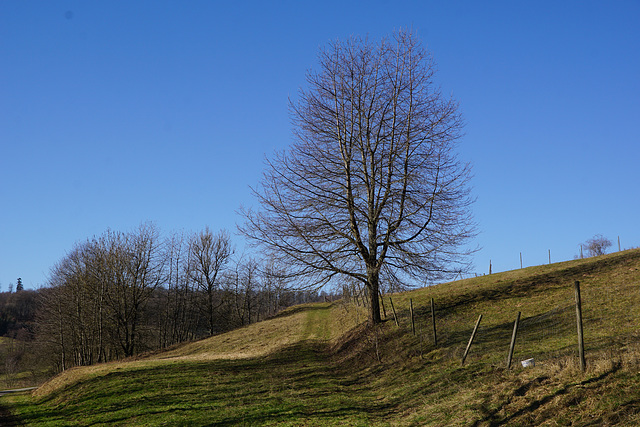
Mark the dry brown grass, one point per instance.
(255, 340)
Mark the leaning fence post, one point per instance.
(395, 316)
(473, 334)
(513, 341)
(583, 364)
(384, 310)
(413, 323)
(433, 322)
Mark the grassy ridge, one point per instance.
(204, 383)
(313, 365)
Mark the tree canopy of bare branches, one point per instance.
(597, 245)
(371, 188)
(121, 293)
(209, 255)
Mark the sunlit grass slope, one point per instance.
(317, 365)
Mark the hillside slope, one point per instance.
(317, 365)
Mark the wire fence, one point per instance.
(520, 261)
(548, 328)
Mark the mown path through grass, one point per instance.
(316, 324)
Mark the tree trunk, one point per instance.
(210, 309)
(374, 288)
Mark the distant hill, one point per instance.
(318, 364)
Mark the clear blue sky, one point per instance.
(114, 113)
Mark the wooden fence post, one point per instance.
(395, 316)
(513, 341)
(433, 322)
(583, 364)
(473, 335)
(520, 259)
(384, 310)
(413, 323)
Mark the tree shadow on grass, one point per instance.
(493, 419)
(6, 418)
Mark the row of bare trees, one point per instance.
(120, 294)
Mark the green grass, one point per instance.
(314, 365)
(293, 384)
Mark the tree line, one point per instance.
(119, 294)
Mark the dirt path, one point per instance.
(17, 390)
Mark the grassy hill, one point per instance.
(318, 365)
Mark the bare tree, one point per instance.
(275, 287)
(181, 303)
(133, 269)
(71, 317)
(371, 188)
(597, 245)
(242, 282)
(97, 306)
(210, 254)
